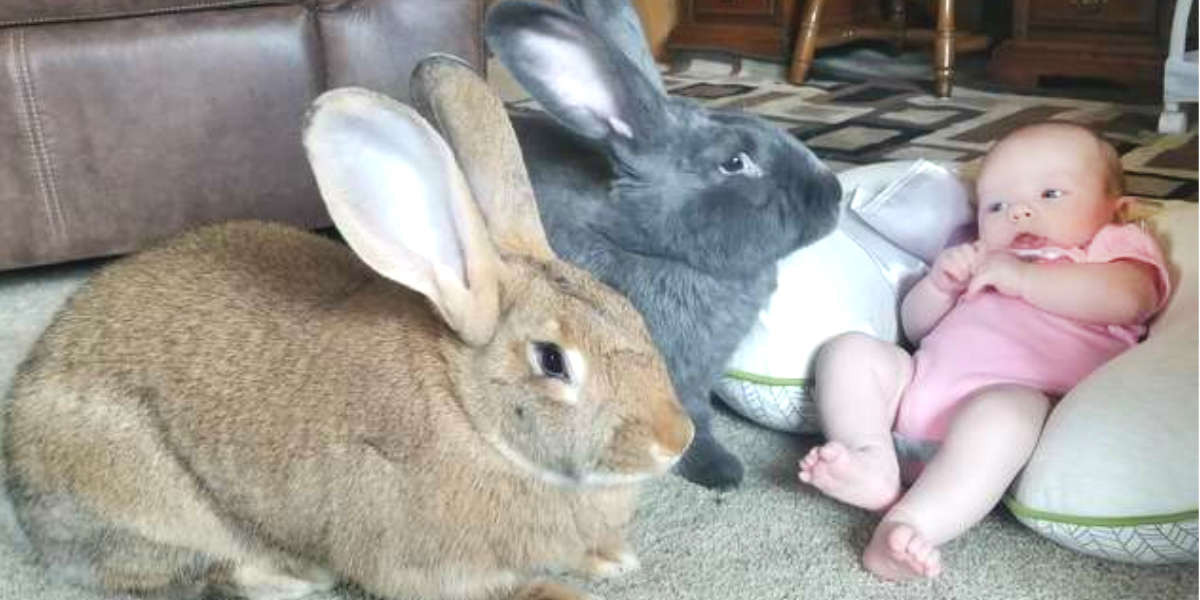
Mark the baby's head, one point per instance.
(1048, 184)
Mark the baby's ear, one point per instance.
(1130, 209)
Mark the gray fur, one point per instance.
(630, 187)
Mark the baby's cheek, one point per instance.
(991, 232)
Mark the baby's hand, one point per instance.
(1000, 271)
(952, 269)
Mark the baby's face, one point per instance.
(1043, 187)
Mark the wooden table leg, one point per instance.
(943, 54)
(806, 42)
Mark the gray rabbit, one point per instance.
(683, 209)
(253, 409)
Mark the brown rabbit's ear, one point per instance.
(473, 121)
(396, 194)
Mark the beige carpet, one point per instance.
(769, 540)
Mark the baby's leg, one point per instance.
(859, 380)
(987, 444)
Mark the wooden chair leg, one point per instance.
(899, 21)
(806, 42)
(943, 54)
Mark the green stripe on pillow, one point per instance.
(1031, 513)
(763, 379)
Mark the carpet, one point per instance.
(772, 539)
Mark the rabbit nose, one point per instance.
(1020, 212)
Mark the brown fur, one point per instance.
(250, 390)
(249, 408)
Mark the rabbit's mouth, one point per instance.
(574, 477)
(662, 461)
(614, 479)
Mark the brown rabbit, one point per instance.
(251, 409)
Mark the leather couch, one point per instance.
(125, 121)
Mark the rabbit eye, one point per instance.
(550, 360)
(733, 165)
(1052, 194)
(740, 163)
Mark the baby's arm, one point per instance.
(935, 294)
(1118, 293)
(923, 307)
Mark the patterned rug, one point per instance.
(853, 123)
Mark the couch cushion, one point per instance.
(131, 129)
(131, 121)
(376, 43)
(30, 12)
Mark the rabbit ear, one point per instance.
(617, 21)
(473, 121)
(396, 194)
(574, 73)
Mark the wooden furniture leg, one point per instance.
(806, 42)
(899, 21)
(943, 54)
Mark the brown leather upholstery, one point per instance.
(125, 121)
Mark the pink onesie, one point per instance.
(993, 339)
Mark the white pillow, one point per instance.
(1115, 472)
(851, 280)
(831, 287)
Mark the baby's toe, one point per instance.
(919, 548)
(811, 458)
(933, 563)
(831, 451)
(899, 539)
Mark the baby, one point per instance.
(1052, 289)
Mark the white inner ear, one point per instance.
(429, 232)
(391, 185)
(386, 166)
(571, 72)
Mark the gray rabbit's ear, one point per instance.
(617, 21)
(473, 121)
(396, 194)
(578, 76)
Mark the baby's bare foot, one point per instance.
(868, 478)
(898, 552)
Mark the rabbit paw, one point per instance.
(708, 464)
(603, 564)
(264, 583)
(548, 590)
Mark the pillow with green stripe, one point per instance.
(850, 280)
(829, 287)
(1115, 472)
